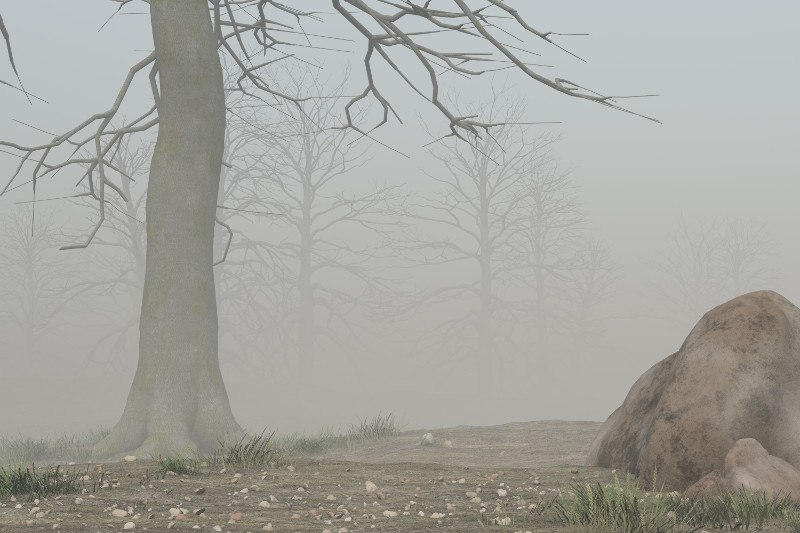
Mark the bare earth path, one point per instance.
(541, 443)
(493, 478)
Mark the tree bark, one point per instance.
(178, 402)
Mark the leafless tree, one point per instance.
(31, 285)
(707, 264)
(477, 219)
(590, 285)
(743, 245)
(119, 259)
(186, 408)
(553, 226)
(305, 169)
(507, 222)
(248, 275)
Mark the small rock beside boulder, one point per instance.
(427, 439)
(749, 465)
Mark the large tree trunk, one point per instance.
(178, 402)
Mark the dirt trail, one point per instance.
(541, 443)
(491, 475)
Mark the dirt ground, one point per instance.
(542, 443)
(491, 478)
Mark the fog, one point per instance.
(671, 206)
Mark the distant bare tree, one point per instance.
(743, 245)
(551, 237)
(305, 168)
(248, 275)
(31, 284)
(474, 221)
(509, 219)
(120, 265)
(706, 265)
(590, 285)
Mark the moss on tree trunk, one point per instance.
(178, 402)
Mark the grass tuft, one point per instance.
(622, 508)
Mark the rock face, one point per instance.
(748, 464)
(736, 376)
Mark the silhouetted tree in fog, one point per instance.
(743, 245)
(248, 274)
(119, 265)
(31, 285)
(552, 229)
(709, 263)
(505, 234)
(589, 286)
(305, 172)
(474, 224)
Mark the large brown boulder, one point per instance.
(736, 376)
(749, 465)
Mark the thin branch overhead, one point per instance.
(7, 39)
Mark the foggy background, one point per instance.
(682, 216)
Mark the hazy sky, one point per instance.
(726, 75)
